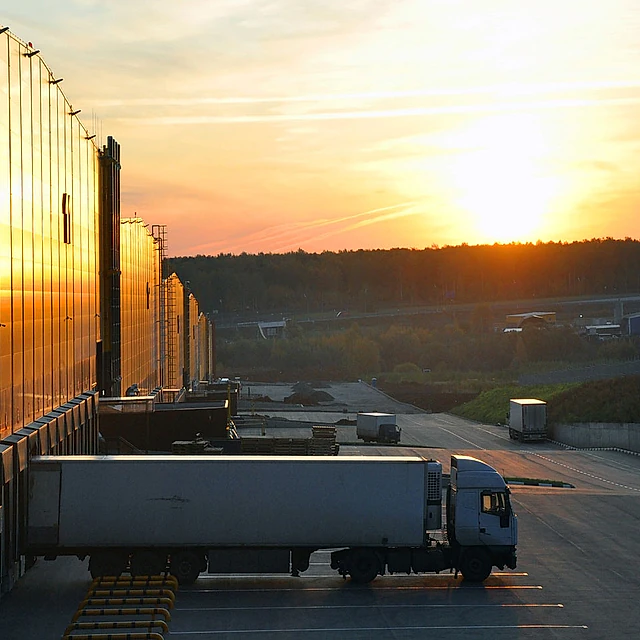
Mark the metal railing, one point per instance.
(142, 605)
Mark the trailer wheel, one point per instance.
(476, 565)
(364, 566)
(148, 563)
(107, 563)
(185, 566)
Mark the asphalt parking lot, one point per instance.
(323, 605)
(576, 578)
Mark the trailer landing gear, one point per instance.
(148, 563)
(300, 560)
(108, 563)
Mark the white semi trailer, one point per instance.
(232, 514)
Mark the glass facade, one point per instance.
(203, 348)
(193, 350)
(204, 367)
(140, 306)
(48, 242)
(80, 289)
(175, 319)
(49, 309)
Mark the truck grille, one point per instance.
(434, 481)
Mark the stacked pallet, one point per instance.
(323, 441)
(194, 448)
(257, 446)
(291, 446)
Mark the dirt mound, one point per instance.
(303, 388)
(260, 399)
(308, 398)
(308, 387)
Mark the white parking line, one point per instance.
(375, 606)
(473, 444)
(584, 473)
(511, 587)
(385, 629)
(445, 575)
(495, 435)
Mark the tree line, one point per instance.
(410, 353)
(367, 280)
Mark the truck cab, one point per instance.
(481, 524)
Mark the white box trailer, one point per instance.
(233, 501)
(377, 427)
(253, 513)
(527, 419)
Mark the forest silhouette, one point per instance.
(370, 280)
(338, 328)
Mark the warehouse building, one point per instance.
(86, 313)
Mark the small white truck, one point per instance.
(527, 419)
(378, 427)
(267, 514)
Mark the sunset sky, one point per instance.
(274, 125)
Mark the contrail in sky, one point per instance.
(505, 89)
(385, 113)
(291, 235)
(408, 211)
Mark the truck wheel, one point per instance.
(364, 566)
(185, 566)
(476, 565)
(148, 563)
(107, 563)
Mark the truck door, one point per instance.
(494, 518)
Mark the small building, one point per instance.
(531, 319)
(632, 324)
(274, 329)
(606, 331)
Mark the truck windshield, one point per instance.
(495, 502)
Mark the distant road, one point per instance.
(227, 321)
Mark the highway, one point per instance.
(577, 575)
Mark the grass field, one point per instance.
(616, 400)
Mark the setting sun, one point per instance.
(249, 127)
(502, 179)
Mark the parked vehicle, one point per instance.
(378, 427)
(527, 419)
(232, 514)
